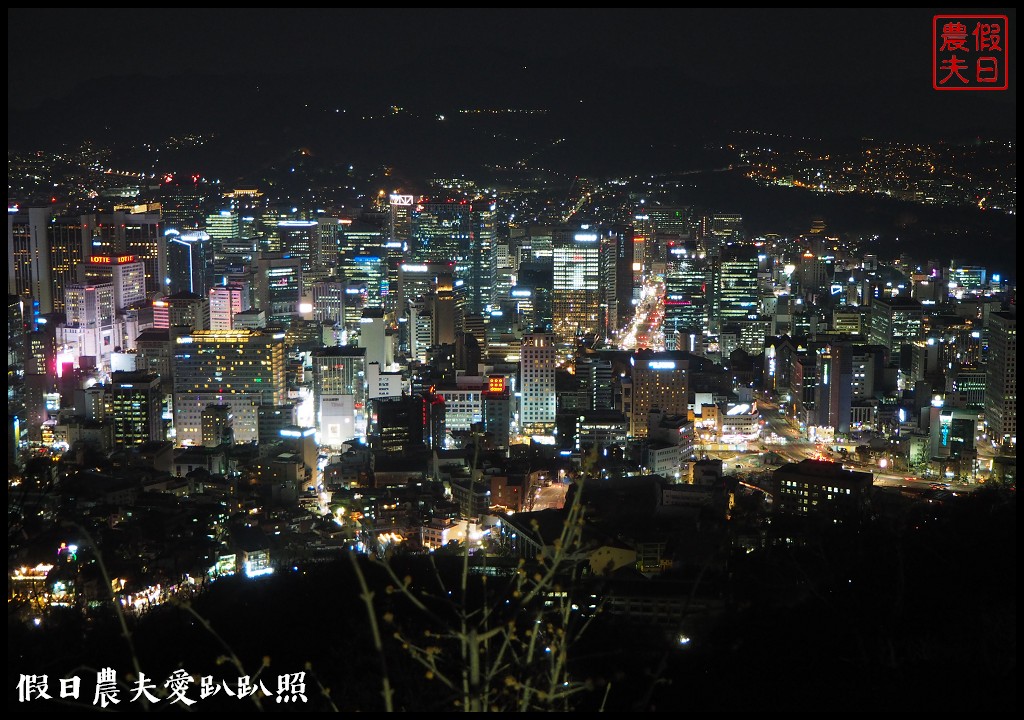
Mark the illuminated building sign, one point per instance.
(406, 267)
(585, 237)
(108, 260)
(521, 293)
(662, 365)
(945, 419)
(297, 223)
(401, 200)
(496, 384)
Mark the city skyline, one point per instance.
(552, 360)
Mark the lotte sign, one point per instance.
(401, 200)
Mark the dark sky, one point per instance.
(858, 62)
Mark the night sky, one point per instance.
(817, 71)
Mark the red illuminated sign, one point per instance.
(108, 260)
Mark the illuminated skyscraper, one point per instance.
(895, 322)
(124, 272)
(339, 394)
(189, 261)
(28, 258)
(537, 379)
(734, 293)
(69, 240)
(138, 234)
(966, 280)
(226, 301)
(835, 386)
(535, 281)
(182, 310)
(575, 291)
(441, 231)
(90, 330)
(400, 218)
(480, 277)
(247, 204)
(222, 226)
(659, 382)
(329, 301)
(16, 347)
(242, 369)
(330, 243)
(686, 305)
(181, 203)
(443, 311)
(278, 286)
(643, 239)
(136, 407)
(300, 239)
(1001, 379)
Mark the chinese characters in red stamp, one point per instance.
(970, 52)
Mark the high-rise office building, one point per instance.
(182, 309)
(138, 234)
(339, 394)
(125, 273)
(330, 242)
(16, 348)
(329, 301)
(834, 390)
(482, 261)
(408, 423)
(596, 374)
(182, 202)
(247, 204)
(724, 228)
(300, 239)
(136, 407)
(243, 369)
(28, 259)
(1001, 379)
(400, 209)
(90, 319)
(189, 261)
(734, 287)
(226, 301)
(497, 410)
(643, 241)
(608, 282)
(442, 309)
(278, 285)
(222, 226)
(659, 381)
(575, 291)
(685, 299)
(895, 322)
(966, 280)
(69, 239)
(867, 366)
(441, 231)
(535, 282)
(374, 339)
(537, 380)
(217, 422)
